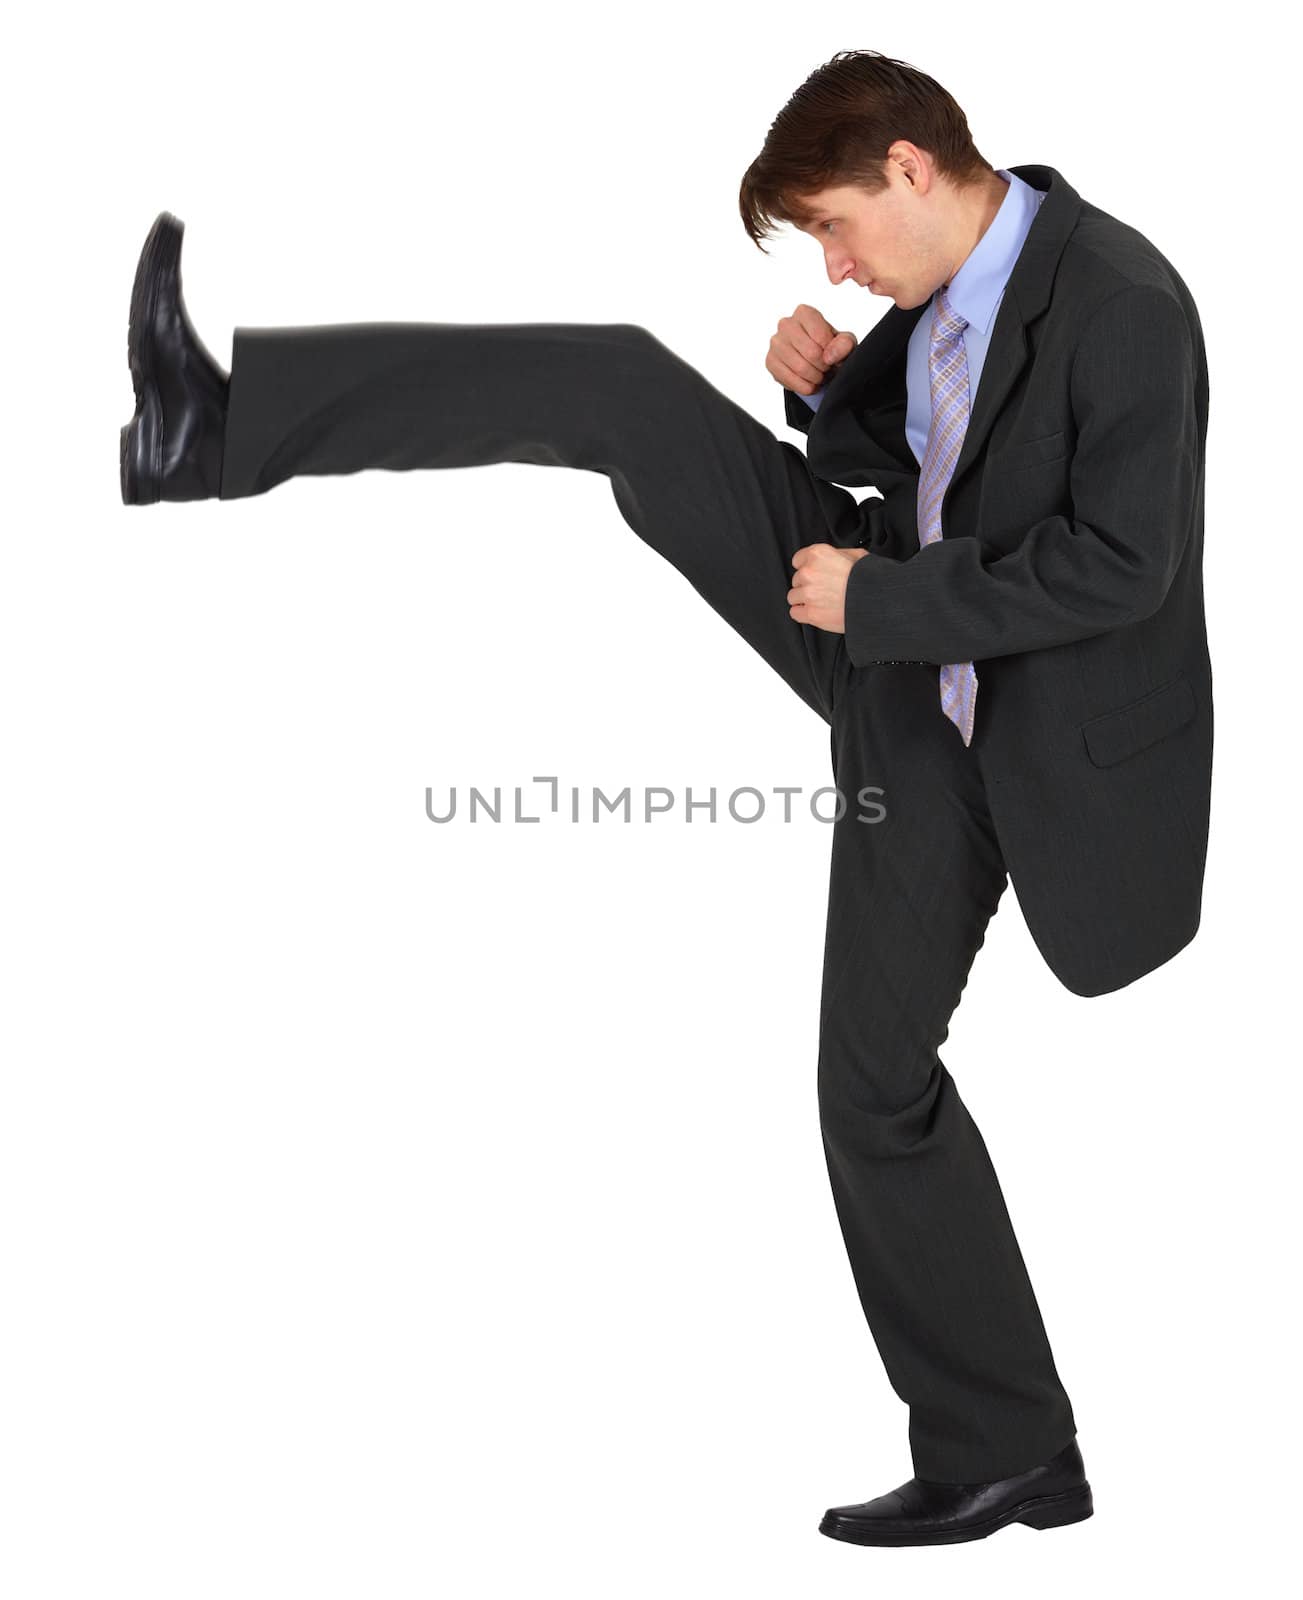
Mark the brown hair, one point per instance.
(837, 128)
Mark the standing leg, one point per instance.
(693, 474)
(932, 1250)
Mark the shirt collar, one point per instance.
(976, 288)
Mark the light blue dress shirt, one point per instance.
(976, 291)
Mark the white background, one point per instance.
(392, 1209)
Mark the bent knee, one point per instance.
(633, 336)
(887, 1106)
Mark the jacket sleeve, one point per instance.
(800, 413)
(1133, 485)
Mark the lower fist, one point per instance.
(818, 592)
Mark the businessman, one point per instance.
(1009, 638)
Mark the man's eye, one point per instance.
(828, 224)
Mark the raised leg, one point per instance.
(693, 474)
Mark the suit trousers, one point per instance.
(932, 1250)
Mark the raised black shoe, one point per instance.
(172, 448)
(923, 1512)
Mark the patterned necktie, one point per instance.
(948, 378)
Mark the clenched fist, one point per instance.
(818, 592)
(804, 348)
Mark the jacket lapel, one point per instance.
(857, 436)
(1026, 296)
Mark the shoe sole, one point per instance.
(1047, 1511)
(140, 450)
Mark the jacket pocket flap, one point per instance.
(1131, 728)
(1031, 452)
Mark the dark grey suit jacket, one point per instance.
(1071, 574)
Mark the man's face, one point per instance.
(888, 243)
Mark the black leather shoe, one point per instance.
(172, 448)
(921, 1512)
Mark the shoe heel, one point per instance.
(140, 454)
(1075, 1506)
